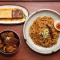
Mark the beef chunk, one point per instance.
(10, 49)
(11, 41)
(7, 34)
(1, 45)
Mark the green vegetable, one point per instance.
(45, 32)
(25, 16)
(4, 48)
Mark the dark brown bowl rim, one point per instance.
(18, 39)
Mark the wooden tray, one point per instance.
(24, 52)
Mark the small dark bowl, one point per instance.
(16, 37)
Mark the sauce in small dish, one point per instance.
(57, 25)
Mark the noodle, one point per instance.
(39, 26)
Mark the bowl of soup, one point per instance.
(9, 42)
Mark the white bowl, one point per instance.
(40, 13)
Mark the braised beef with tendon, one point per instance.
(10, 42)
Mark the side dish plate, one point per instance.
(40, 13)
(25, 11)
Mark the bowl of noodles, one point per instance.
(40, 33)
